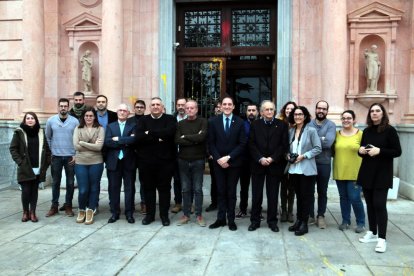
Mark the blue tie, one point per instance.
(227, 129)
(121, 128)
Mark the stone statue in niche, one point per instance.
(86, 61)
(372, 68)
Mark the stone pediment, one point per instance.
(84, 21)
(375, 12)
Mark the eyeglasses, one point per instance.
(139, 107)
(63, 106)
(298, 115)
(346, 118)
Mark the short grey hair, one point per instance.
(266, 102)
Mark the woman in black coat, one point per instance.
(380, 144)
(30, 150)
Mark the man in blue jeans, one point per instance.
(59, 133)
(191, 137)
(326, 132)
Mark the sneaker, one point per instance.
(241, 215)
(311, 221)
(201, 221)
(177, 208)
(89, 216)
(183, 220)
(360, 229)
(369, 237)
(81, 216)
(381, 246)
(321, 222)
(343, 226)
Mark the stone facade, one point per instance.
(320, 56)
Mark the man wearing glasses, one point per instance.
(59, 133)
(326, 131)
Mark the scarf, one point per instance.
(78, 111)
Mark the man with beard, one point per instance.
(326, 131)
(226, 142)
(79, 105)
(105, 116)
(156, 158)
(59, 133)
(139, 109)
(245, 174)
(179, 115)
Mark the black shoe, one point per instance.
(211, 207)
(217, 224)
(232, 226)
(253, 227)
(165, 221)
(113, 219)
(130, 219)
(274, 228)
(147, 220)
(295, 226)
(303, 229)
(241, 214)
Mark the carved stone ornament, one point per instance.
(89, 3)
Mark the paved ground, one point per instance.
(59, 246)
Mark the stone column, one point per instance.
(334, 54)
(284, 53)
(111, 79)
(33, 55)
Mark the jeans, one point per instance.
(58, 163)
(191, 174)
(350, 194)
(322, 180)
(88, 178)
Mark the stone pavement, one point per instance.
(60, 246)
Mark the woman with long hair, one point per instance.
(30, 150)
(346, 163)
(380, 144)
(305, 144)
(88, 139)
(287, 191)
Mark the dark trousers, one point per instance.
(322, 180)
(272, 194)
(115, 178)
(304, 194)
(226, 190)
(178, 198)
(30, 194)
(156, 177)
(245, 175)
(376, 200)
(287, 194)
(213, 187)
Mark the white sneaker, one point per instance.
(381, 246)
(369, 237)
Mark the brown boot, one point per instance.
(53, 211)
(68, 210)
(33, 216)
(25, 217)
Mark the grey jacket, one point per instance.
(327, 134)
(310, 148)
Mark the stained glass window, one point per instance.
(202, 28)
(251, 27)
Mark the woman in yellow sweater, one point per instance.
(345, 171)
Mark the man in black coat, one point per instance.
(105, 116)
(227, 141)
(268, 144)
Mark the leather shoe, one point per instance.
(232, 226)
(147, 220)
(113, 219)
(130, 219)
(253, 227)
(303, 229)
(217, 224)
(274, 228)
(295, 226)
(165, 221)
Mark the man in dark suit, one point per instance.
(156, 156)
(268, 143)
(120, 163)
(227, 141)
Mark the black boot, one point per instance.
(303, 229)
(295, 226)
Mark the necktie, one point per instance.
(227, 129)
(121, 128)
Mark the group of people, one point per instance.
(289, 152)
